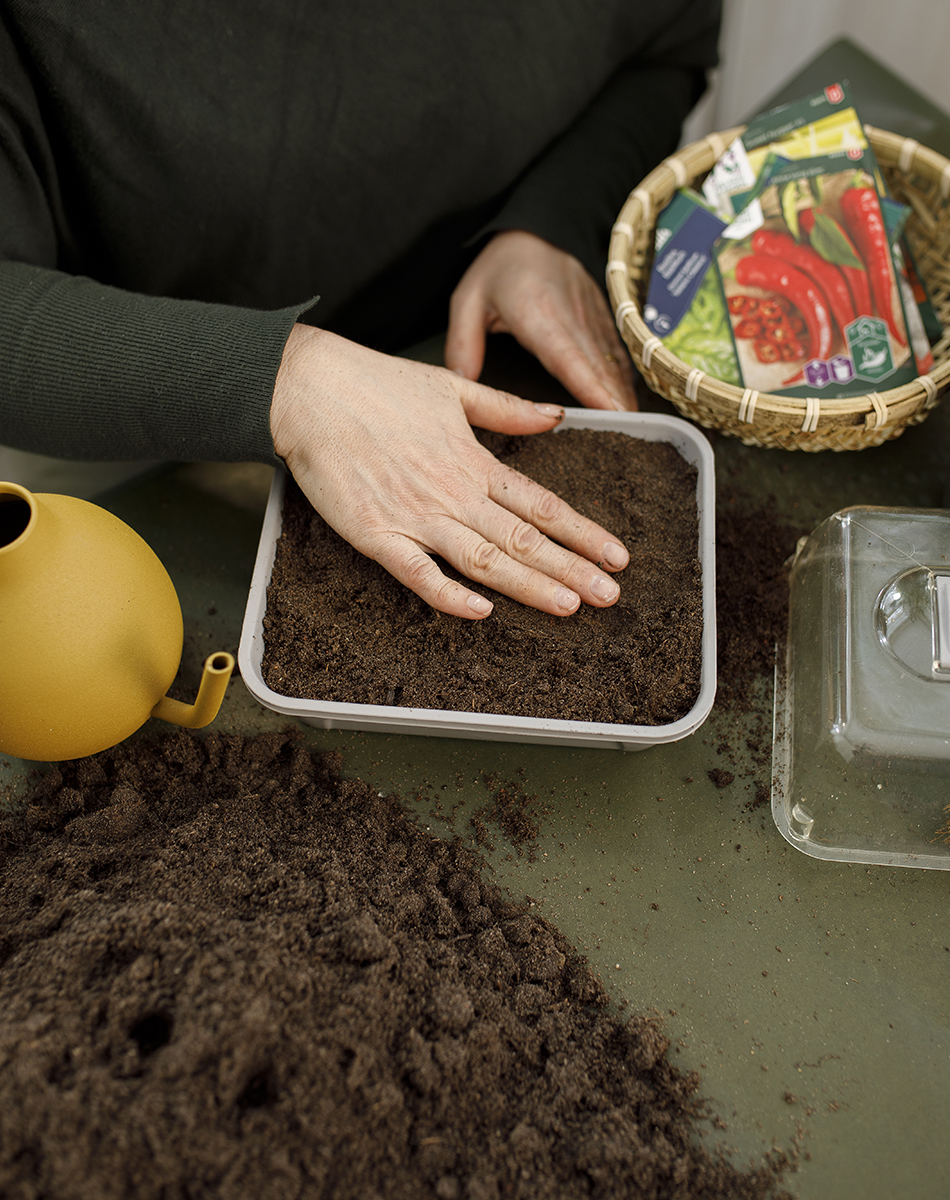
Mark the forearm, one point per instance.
(572, 194)
(94, 372)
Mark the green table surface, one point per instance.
(811, 996)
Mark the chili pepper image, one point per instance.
(742, 304)
(825, 275)
(856, 277)
(748, 327)
(776, 275)
(860, 290)
(861, 212)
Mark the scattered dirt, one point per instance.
(227, 971)
(340, 628)
(518, 813)
(753, 547)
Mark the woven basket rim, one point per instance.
(652, 194)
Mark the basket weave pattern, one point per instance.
(918, 177)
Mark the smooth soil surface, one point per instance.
(340, 628)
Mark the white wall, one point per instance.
(766, 42)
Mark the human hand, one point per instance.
(383, 449)
(522, 285)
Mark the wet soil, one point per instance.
(340, 628)
(227, 971)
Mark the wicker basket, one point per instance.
(917, 176)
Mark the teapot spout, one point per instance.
(214, 682)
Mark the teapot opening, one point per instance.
(15, 514)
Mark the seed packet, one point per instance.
(685, 306)
(823, 123)
(812, 290)
(807, 272)
(918, 308)
(933, 326)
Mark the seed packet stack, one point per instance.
(790, 273)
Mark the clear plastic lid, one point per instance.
(862, 734)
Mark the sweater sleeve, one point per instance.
(571, 194)
(95, 372)
(89, 371)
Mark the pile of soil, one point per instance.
(339, 628)
(227, 971)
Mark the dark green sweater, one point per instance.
(178, 181)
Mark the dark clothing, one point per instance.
(179, 180)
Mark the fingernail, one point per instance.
(566, 599)
(614, 555)
(604, 588)
(551, 410)
(459, 371)
(480, 605)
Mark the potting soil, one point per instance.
(226, 971)
(338, 627)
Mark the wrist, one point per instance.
(302, 348)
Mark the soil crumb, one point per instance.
(513, 810)
(338, 627)
(228, 971)
(754, 546)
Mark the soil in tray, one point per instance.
(226, 971)
(339, 628)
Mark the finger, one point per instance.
(584, 370)
(586, 361)
(613, 369)
(611, 355)
(594, 357)
(581, 347)
(506, 553)
(486, 562)
(501, 412)
(408, 562)
(540, 509)
(465, 339)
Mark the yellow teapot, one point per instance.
(91, 631)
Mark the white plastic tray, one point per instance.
(380, 718)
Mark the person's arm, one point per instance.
(98, 373)
(384, 449)
(540, 277)
(571, 194)
(89, 371)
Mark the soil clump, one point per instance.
(228, 971)
(338, 627)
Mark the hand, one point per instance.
(383, 449)
(522, 285)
